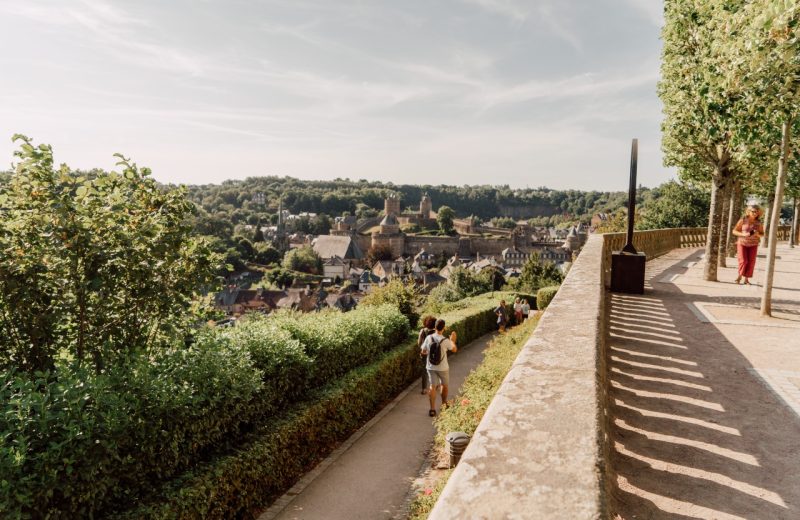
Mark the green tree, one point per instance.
(281, 277)
(258, 234)
(265, 254)
(303, 259)
(444, 217)
(767, 74)
(504, 222)
(245, 248)
(322, 225)
(701, 117)
(397, 293)
(678, 205)
(470, 283)
(93, 268)
(536, 274)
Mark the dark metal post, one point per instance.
(632, 198)
(628, 265)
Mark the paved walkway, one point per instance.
(705, 394)
(370, 476)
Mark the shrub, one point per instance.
(80, 442)
(440, 296)
(270, 459)
(303, 259)
(101, 266)
(544, 296)
(401, 295)
(282, 360)
(339, 342)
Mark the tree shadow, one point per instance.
(693, 432)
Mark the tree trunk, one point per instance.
(766, 297)
(793, 237)
(714, 220)
(724, 224)
(734, 213)
(768, 219)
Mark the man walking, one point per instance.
(435, 347)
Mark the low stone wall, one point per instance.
(541, 450)
(538, 452)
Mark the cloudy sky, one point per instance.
(519, 92)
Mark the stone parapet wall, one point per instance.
(541, 449)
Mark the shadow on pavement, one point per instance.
(694, 434)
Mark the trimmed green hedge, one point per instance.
(269, 460)
(545, 295)
(339, 342)
(84, 444)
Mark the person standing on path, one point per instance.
(518, 311)
(428, 328)
(526, 310)
(749, 230)
(435, 347)
(500, 312)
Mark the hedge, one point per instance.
(339, 342)
(81, 444)
(545, 295)
(269, 460)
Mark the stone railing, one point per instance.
(652, 243)
(538, 451)
(541, 449)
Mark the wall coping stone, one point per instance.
(537, 452)
(540, 450)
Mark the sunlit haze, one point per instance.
(525, 93)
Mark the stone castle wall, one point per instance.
(435, 245)
(488, 246)
(395, 241)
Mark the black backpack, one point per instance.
(435, 351)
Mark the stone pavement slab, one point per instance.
(705, 393)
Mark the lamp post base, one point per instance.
(627, 272)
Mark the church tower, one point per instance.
(425, 206)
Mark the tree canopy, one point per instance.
(92, 268)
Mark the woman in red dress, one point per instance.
(749, 230)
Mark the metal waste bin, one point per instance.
(456, 444)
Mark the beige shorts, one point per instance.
(442, 376)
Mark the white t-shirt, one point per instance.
(445, 345)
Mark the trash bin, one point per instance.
(456, 444)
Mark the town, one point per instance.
(358, 255)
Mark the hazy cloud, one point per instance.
(458, 91)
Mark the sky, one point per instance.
(519, 92)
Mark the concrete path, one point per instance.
(705, 394)
(370, 475)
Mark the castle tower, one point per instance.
(573, 242)
(390, 225)
(391, 205)
(425, 206)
